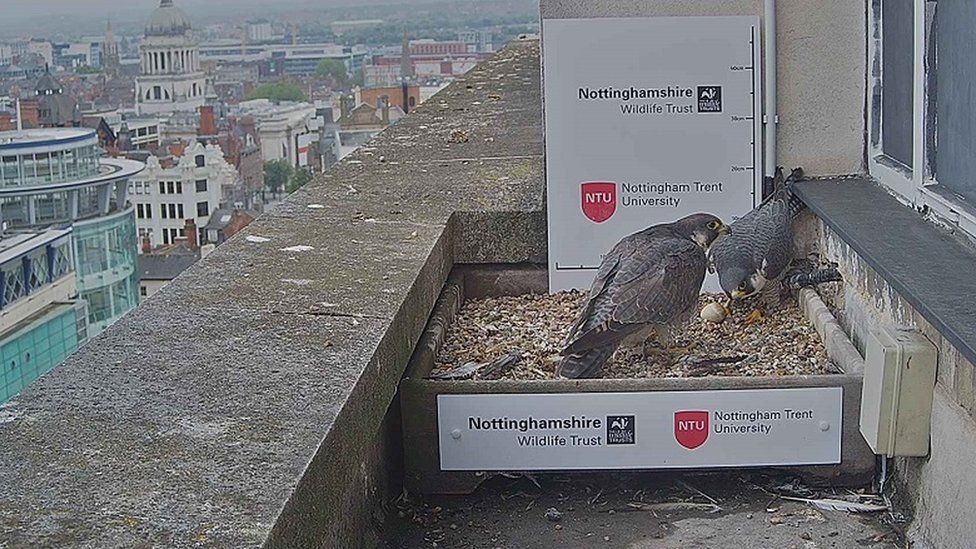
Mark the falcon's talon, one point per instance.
(755, 316)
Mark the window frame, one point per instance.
(917, 186)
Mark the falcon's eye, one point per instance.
(742, 286)
(713, 225)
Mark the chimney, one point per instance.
(146, 245)
(385, 111)
(208, 126)
(191, 234)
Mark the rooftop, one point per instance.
(247, 419)
(16, 139)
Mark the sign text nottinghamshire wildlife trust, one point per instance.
(640, 430)
(669, 129)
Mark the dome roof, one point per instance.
(167, 20)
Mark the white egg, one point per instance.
(714, 312)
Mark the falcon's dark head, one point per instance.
(738, 280)
(702, 228)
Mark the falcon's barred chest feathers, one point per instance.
(649, 280)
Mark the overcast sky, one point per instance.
(42, 18)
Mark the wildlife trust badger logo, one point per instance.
(621, 430)
(709, 98)
(691, 428)
(598, 200)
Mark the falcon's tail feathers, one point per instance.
(586, 364)
(795, 204)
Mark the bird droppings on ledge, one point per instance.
(535, 325)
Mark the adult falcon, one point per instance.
(756, 255)
(648, 282)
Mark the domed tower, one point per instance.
(171, 79)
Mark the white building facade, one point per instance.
(165, 198)
(170, 78)
(285, 130)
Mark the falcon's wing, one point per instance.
(660, 279)
(599, 304)
(668, 289)
(774, 238)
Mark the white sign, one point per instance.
(647, 120)
(532, 432)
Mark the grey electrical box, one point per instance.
(896, 398)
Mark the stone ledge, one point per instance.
(927, 267)
(240, 406)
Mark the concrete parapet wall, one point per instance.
(246, 403)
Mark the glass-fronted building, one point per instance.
(41, 319)
(56, 177)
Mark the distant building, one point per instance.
(159, 267)
(392, 96)
(259, 31)
(226, 222)
(304, 59)
(42, 321)
(141, 134)
(111, 60)
(171, 79)
(283, 130)
(54, 177)
(477, 40)
(172, 191)
(42, 48)
(56, 109)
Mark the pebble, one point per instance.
(784, 343)
(553, 515)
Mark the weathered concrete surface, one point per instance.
(820, 61)
(243, 404)
(604, 510)
(903, 273)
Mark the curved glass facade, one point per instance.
(105, 255)
(55, 177)
(39, 168)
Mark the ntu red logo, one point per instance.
(691, 428)
(599, 200)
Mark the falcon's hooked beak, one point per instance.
(738, 294)
(724, 229)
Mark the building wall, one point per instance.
(35, 349)
(144, 192)
(105, 256)
(821, 65)
(940, 488)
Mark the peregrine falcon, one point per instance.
(759, 249)
(649, 281)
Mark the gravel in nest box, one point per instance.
(535, 325)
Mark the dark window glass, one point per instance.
(896, 79)
(955, 80)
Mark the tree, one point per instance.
(278, 91)
(277, 174)
(298, 180)
(334, 70)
